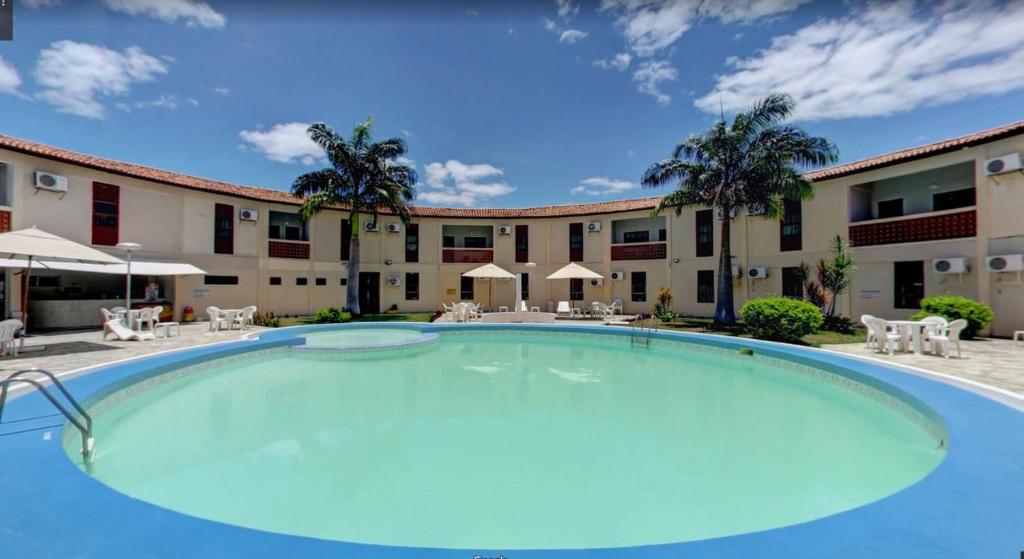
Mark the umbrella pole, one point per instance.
(24, 298)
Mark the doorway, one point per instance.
(369, 292)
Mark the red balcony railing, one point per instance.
(282, 249)
(639, 251)
(467, 255)
(952, 224)
(5, 221)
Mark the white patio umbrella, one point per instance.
(34, 244)
(490, 271)
(573, 270)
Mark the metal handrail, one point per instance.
(641, 331)
(84, 429)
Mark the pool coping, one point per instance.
(968, 506)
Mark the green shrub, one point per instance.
(780, 318)
(266, 319)
(951, 307)
(331, 315)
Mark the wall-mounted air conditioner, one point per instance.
(504, 229)
(598, 282)
(394, 227)
(594, 226)
(757, 272)
(50, 182)
(1005, 263)
(949, 265)
(618, 276)
(394, 280)
(248, 215)
(370, 226)
(1005, 164)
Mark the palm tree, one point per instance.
(363, 176)
(754, 163)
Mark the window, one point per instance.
(953, 199)
(793, 282)
(343, 282)
(705, 286)
(576, 289)
(275, 280)
(466, 289)
(890, 208)
(321, 282)
(223, 229)
(412, 243)
(790, 230)
(412, 287)
(105, 209)
(662, 235)
(301, 281)
(636, 237)
(909, 284)
(220, 280)
(522, 243)
(448, 241)
(705, 233)
(638, 286)
(346, 239)
(474, 242)
(287, 226)
(524, 289)
(575, 242)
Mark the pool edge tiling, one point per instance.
(969, 506)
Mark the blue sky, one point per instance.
(502, 103)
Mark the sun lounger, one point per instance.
(123, 333)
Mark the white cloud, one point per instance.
(650, 26)
(284, 143)
(9, 78)
(221, 90)
(550, 25)
(459, 184)
(406, 133)
(162, 102)
(572, 36)
(403, 160)
(75, 76)
(192, 12)
(37, 4)
(650, 75)
(619, 62)
(567, 9)
(603, 186)
(884, 59)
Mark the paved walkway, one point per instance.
(74, 350)
(993, 362)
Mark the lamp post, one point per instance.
(128, 248)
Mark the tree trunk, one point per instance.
(352, 291)
(724, 313)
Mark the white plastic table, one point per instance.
(913, 329)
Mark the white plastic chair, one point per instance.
(145, 317)
(217, 318)
(884, 340)
(950, 335)
(1018, 337)
(8, 328)
(864, 318)
(935, 326)
(564, 309)
(522, 306)
(244, 319)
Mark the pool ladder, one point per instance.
(640, 331)
(82, 423)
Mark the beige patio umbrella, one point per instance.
(33, 244)
(491, 272)
(573, 270)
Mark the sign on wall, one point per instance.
(870, 294)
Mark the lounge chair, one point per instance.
(8, 328)
(123, 333)
(949, 335)
(564, 309)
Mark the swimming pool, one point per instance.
(507, 439)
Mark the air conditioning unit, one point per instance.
(618, 276)
(394, 228)
(504, 229)
(371, 226)
(51, 182)
(248, 215)
(1005, 263)
(594, 226)
(949, 265)
(597, 282)
(757, 272)
(394, 280)
(1005, 164)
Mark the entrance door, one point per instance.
(909, 288)
(369, 292)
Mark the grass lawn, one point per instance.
(385, 317)
(706, 325)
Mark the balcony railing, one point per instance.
(5, 221)
(467, 255)
(289, 249)
(639, 251)
(935, 226)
